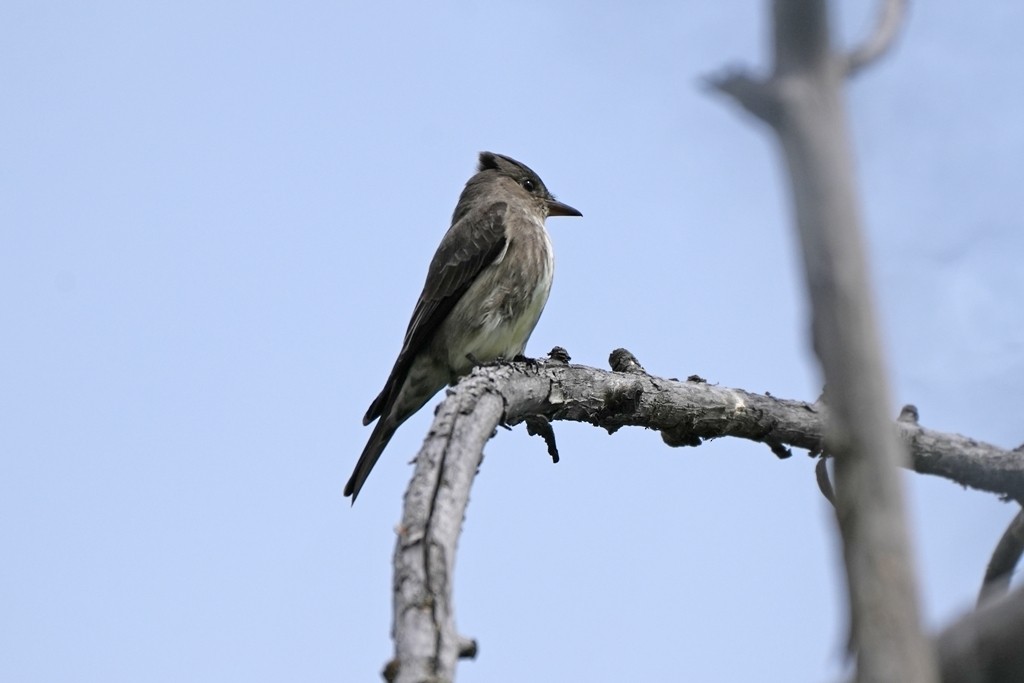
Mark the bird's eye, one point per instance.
(528, 185)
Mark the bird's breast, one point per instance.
(497, 314)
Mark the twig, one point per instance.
(824, 483)
(1004, 560)
(890, 20)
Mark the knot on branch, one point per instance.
(558, 354)
(621, 360)
(618, 405)
(680, 435)
(909, 414)
(780, 450)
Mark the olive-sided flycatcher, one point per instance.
(485, 289)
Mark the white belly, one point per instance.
(497, 314)
(502, 336)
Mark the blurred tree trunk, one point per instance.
(802, 102)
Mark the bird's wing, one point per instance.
(469, 246)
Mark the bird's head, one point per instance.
(525, 181)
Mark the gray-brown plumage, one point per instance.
(486, 287)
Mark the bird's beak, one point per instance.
(557, 208)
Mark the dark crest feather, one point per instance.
(488, 161)
(492, 161)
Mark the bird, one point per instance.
(484, 292)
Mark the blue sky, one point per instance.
(215, 219)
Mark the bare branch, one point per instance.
(691, 411)
(426, 642)
(891, 16)
(1004, 560)
(824, 483)
(757, 96)
(436, 500)
(698, 411)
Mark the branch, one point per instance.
(759, 97)
(685, 412)
(890, 20)
(824, 483)
(1004, 560)
(426, 643)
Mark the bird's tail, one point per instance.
(382, 433)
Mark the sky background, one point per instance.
(215, 218)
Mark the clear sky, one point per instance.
(215, 218)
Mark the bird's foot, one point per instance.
(531, 362)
